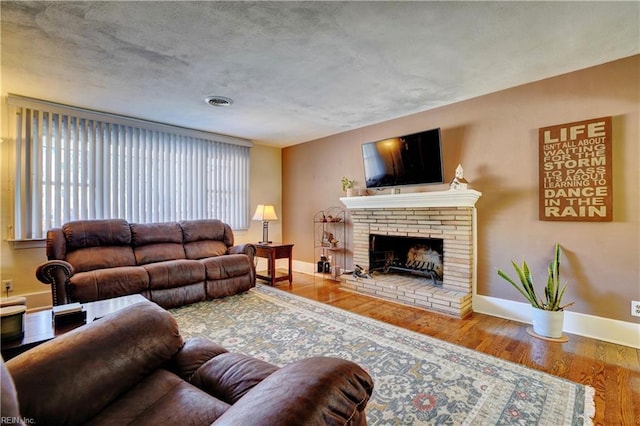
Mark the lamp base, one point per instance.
(265, 233)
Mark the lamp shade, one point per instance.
(265, 213)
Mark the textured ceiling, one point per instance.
(298, 71)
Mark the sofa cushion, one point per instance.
(158, 253)
(102, 284)
(178, 296)
(229, 286)
(206, 238)
(162, 398)
(206, 229)
(204, 248)
(94, 233)
(153, 233)
(88, 259)
(156, 242)
(232, 265)
(174, 273)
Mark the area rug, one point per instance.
(419, 380)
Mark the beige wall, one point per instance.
(495, 139)
(265, 188)
(20, 264)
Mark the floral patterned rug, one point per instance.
(418, 380)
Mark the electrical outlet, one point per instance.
(635, 308)
(7, 285)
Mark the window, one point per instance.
(73, 164)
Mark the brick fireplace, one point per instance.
(446, 215)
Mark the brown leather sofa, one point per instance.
(171, 263)
(133, 367)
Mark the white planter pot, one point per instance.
(547, 323)
(351, 192)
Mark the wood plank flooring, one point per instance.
(613, 370)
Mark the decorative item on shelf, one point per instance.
(459, 182)
(321, 262)
(347, 186)
(327, 266)
(547, 313)
(327, 237)
(265, 213)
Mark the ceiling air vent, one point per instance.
(218, 101)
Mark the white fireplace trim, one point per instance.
(451, 198)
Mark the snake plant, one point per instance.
(553, 291)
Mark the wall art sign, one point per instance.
(575, 171)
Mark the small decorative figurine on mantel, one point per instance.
(459, 182)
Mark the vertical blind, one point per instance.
(73, 166)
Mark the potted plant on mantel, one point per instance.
(347, 186)
(547, 313)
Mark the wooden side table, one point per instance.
(273, 252)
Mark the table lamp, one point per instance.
(265, 213)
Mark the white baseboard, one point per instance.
(304, 267)
(609, 330)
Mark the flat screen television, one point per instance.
(414, 159)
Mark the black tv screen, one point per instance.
(414, 159)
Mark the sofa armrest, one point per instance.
(57, 274)
(313, 391)
(248, 249)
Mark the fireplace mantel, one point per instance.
(450, 198)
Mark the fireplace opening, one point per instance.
(407, 255)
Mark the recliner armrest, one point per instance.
(229, 376)
(195, 352)
(57, 274)
(248, 249)
(313, 391)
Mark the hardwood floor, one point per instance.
(613, 370)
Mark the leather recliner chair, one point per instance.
(133, 366)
